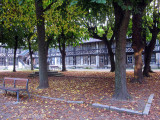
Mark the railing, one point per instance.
(87, 52)
(97, 51)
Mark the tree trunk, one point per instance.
(30, 53)
(111, 54)
(121, 23)
(15, 51)
(147, 59)
(62, 48)
(137, 40)
(138, 75)
(112, 62)
(43, 74)
(149, 49)
(63, 53)
(138, 46)
(148, 52)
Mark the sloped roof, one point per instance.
(91, 40)
(25, 52)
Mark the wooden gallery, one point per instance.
(91, 54)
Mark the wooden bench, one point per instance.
(15, 85)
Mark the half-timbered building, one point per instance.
(89, 54)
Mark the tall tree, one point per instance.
(13, 29)
(122, 17)
(29, 36)
(137, 41)
(43, 75)
(100, 23)
(152, 22)
(26, 11)
(66, 27)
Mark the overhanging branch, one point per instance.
(49, 6)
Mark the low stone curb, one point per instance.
(145, 112)
(148, 105)
(116, 109)
(59, 99)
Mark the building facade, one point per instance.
(89, 54)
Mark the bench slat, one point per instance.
(13, 89)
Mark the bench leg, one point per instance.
(17, 96)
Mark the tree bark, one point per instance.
(148, 52)
(111, 54)
(15, 51)
(121, 23)
(30, 53)
(138, 46)
(62, 48)
(150, 47)
(43, 74)
(137, 40)
(63, 53)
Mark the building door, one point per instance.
(101, 61)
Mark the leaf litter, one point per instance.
(90, 87)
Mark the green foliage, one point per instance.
(100, 17)
(99, 1)
(150, 18)
(17, 14)
(18, 18)
(129, 31)
(64, 22)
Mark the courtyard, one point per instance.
(72, 95)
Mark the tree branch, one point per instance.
(49, 6)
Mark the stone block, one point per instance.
(77, 102)
(150, 98)
(146, 109)
(101, 106)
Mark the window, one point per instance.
(93, 45)
(58, 60)
(78, 47)
(69, 60)
(153, 59)
(70, 48)
(93, 60)
(129, 59)
(78, 60)
(86, 46)
(53, 61)
(2, 61)
(10, 61)
(3, 50)
(101, 45)
(85, 60)
(10, 51)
